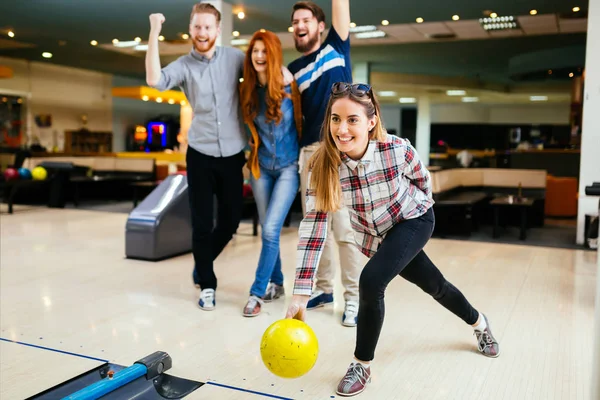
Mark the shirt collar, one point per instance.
(366, 159)
(200, 57)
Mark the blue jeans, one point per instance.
(274, 193)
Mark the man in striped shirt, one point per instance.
(320, 66)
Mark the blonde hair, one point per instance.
(325, 162)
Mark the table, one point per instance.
(522, 204)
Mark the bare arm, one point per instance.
(152, 55)
(341, 17)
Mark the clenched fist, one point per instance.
(156, 21)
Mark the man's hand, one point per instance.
(156, 21)
(297, 308)
(288, 78)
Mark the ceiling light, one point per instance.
(161, 38)
(235, 34)
(386, 93)
(11, 34)
(138, 39)
(115, 41)
(533, 12)
(576, 9)
(470, 99)
(455, 92)
(159, 99)
(499, 23)
(241, 15)
(46, 55)
(145, 98)
(291, 29)
(183, 103)
(369, 35)
(405, 100)
(419, 20)
(493, 15)
(185, 36)
(538, 98)
(363, 28)
(571, 75)
(455, 17)
(171, 101)
(352, 25)
(385, 22)
(94, 43)
(263, 30)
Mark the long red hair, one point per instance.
(275, 88)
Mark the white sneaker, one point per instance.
(207, 299)
(350, 316)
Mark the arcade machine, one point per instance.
(158, 134)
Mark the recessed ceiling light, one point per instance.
(470, 99)
(291, 29)
(576, 9)
(46, 55)
(352, 25)
(94, 43)
(386, 93)
(115, 41)
(161, 38)
(538, 98)
(235, 34)
(171, 101)
(159, 99)
(263, 30)
(145, 98)
(11, 34)
(493, 15)
(385, 22)
(183, 103)
(405, 100)
(138, 39)
(419, 20)
(185, 36)
(241, 15)
(571, 75)
(455, 17)
(533, 12)
(455, 92)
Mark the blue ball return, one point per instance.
(144, 380)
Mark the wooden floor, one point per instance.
(65, 285)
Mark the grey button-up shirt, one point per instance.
(211, 87)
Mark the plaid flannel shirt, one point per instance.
(388, 185)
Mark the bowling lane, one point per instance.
(26, 371)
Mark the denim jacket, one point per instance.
(276, 145)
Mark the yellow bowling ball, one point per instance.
(39, 173)
(289, 348)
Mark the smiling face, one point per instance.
(307, 30)
(204, 30)
(259, 56)
(350, 127)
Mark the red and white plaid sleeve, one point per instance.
(312, 234)
(415, 170)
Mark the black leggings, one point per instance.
(401, 253)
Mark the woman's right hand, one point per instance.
(297, 308)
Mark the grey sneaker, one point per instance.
(273, 292)
(486, 343)
(355, 380)
(253, 307)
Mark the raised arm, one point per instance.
(341, 17)
(152, 54)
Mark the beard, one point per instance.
(310, 43)
(204, 47)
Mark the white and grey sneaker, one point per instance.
(273, 292)
(207, 299)
(350, 316)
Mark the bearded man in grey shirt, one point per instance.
(209, 76)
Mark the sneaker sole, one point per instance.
(319, 305)
(250, 315)
(206, 308)
(348, 325)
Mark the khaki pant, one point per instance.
(351, 259)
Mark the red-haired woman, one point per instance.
(272, 113)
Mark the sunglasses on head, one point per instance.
(358, 89)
